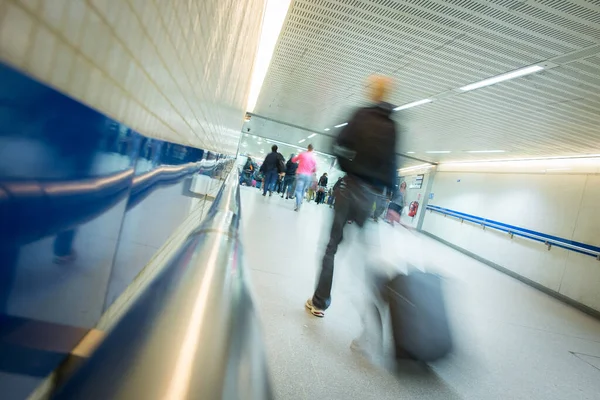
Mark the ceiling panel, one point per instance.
(328, 48)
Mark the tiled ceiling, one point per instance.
(328, 48)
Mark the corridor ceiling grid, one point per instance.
(327, 48)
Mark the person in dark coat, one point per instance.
(248, 172)
(273, 165)
(366, 152)
(322, 187)
(290, 178)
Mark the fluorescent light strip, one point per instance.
(422, 166)
(501, 78)
(486, 151)
(302, 141)
(582, 156)
(413, 104)
(410, 152)
(326, 129)
(438, 152)
(273, 18)
(312, 136)
(340, 125)
(298, 147)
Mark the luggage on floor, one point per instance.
(418, 316)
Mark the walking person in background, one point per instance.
(312, 189)
(322, 188)
(366, 152)
(380, 205)
(273, 165)
(334, 190)
(307, 166)
(290, 178)
(248, 172)
(396, 205)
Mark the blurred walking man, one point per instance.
(366, 151)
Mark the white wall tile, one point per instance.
(43, 53)
(53, 12)
(588, 220)
(73, 22)
(16, 31)
(79, 77)
(582, 280)
(63, 64)
(32, 5)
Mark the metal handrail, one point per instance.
(516, 231)
(193, 333)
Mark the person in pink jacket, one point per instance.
(306, 168)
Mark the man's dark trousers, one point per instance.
(353, 202)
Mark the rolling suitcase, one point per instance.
(418, 316)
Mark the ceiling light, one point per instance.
(528, 159)
(326, 129)
(340, 125)
(312, 136)
(300, 148)
(302, 141)
(438, 152)
(502, 78)
(556, 169)
(486, 151)
(422, 166)
(413, 104)
(410, 152)
(273, 18)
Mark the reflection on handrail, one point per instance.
(193, 333)
(34, 209)
(146, 183)
(512, 230)
(31, 210)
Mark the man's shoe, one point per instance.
(314, 310)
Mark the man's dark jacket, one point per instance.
(366, 147)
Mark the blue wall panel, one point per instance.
(84, 204)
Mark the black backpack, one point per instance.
(280, 163)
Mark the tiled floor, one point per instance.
(511, 341)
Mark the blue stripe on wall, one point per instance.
(516, 230)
